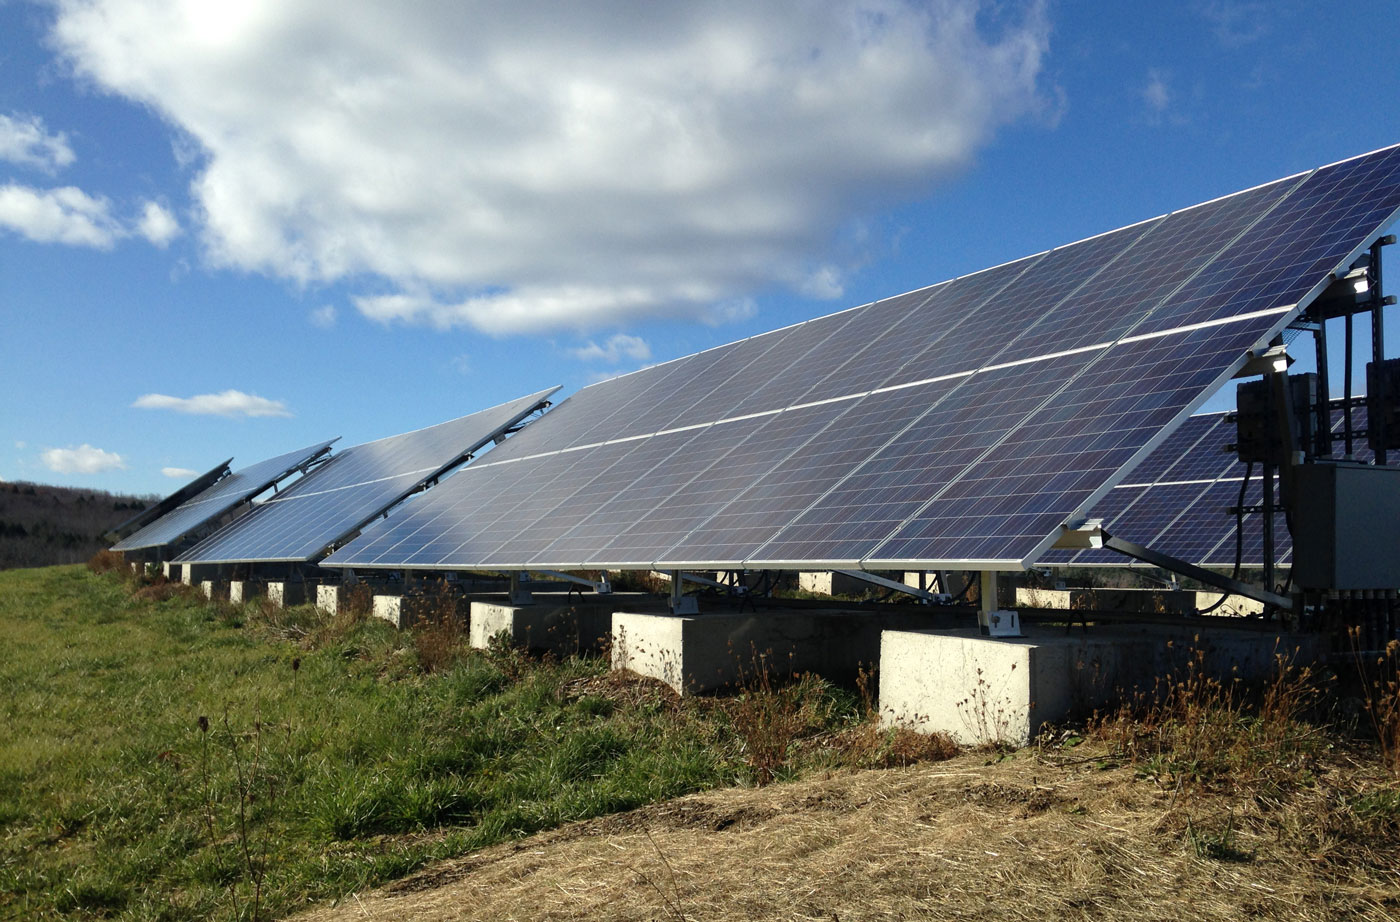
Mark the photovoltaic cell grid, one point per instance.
(195, 486)
(353, 487)
(1178, 500)
(220, 498)
(961, 424)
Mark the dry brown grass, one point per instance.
(106, 561)
(1020, 838)
(1380, 689)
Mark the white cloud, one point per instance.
(530, 165)
(462, 364)
(1156, 94)
(178, 473)
(619, 346)
(157, 224)
(63, 215)
(323, 316)
(1241, 22)
(81, 460)
(23, 140)
(225, 403)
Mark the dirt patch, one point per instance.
(973, 837)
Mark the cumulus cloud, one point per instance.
(81, 460)
(157, 224)
(225, 403)
(25, 141)
(531, 165)
(63, 215)
(619, 346)
(178, 473)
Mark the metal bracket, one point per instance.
(600, 586)
(682, 604)
(923, 595)
(1210, 578)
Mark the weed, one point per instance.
(1381, 696)
(105, 561)
(251, 787)
(768, 715)
(1195, 731)
(440, 631)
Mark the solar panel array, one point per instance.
(1178, 500)
(353, 487)
(958, 425)
(222, 497)
(150, 514)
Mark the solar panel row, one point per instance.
(213, 502)
(956, 425)
(332, 502)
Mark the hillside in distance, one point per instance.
(44, 525)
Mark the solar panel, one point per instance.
(355, 486)
(1178, 501)
(220, 498)
(959, 425)
(149, 515)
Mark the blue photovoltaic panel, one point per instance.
(1178, 501)
(961, 424)
(355, 486)
(220, 498)
(149, 515)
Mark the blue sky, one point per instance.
(239, 229)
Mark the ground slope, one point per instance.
(1020, 838)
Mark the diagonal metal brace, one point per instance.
(1210, 578)
(922, 595)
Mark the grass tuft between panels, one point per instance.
(170, 757)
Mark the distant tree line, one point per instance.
(43, 525)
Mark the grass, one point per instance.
(166, 757)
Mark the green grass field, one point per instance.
(310, 782)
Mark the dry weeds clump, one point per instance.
(1381, 697)
(106, 561)
(440, 631)
(1194, 732)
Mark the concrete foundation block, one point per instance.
(389, 608)
(211, 588)
(171, 571)
(328, 599)
(978, 689)
(826, 582)
(283, 594)
(245, 590)
(698, 653)
(1041, 598)
(1234, 606)
(192, 574)
(549, 624)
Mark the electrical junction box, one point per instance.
(1346, 526)
(1383, 404)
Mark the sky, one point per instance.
(238, 229)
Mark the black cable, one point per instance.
(1239, 539)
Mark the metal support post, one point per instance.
(987, 598)
(1323, 444)
(682, 604)
(520, 589)
(1349, 327)
(1376, 421)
